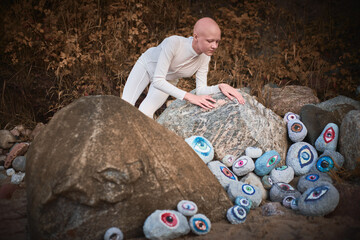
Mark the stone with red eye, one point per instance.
(280, 190)
(291, 116)
(165, 224)
(319, 200)
(297, 131)
(328, 138)
(199, 224)
(223, 174)
(243, 166)
(311, 180)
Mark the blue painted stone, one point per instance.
(297, 131)
(267, 162)
(236, 214)
(165, 224)
(223, 174)
(280, 190)
(311, 180)
(291, 116)
(243, 165)
(243, 202)
(200, 224)
(241, 189)
(328, 138)
(319, 200)
(329, 161)
(301, 157)
(202, 147)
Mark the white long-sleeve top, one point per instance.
(175, 58)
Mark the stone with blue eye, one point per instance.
(328, 138)
(296, 130)
(328, 161)
(187, 208)
(202, 147)
(243, 166)
(241, 189)
(228, 160)
(280, 190)
(282, 174)
(199, 224)
(319, 200)
(236, 214)
(243, 202)
(301, 156)
(113, 233)
(165, 224)
(267, 162)
(223, 174)
(290, 116)
(311, 180)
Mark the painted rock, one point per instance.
(287, 201)
(328, 138)
(243, 166)
(266, 162)
(311, 180)
(254, 180)
(319, 200)
(296, 130)
(187, 208)
(280, 190)
(240, 189)
(165, 224)
(228, 160)
(267, 182)
(291, 116)
(301, 157)
(253, 152)
(200, 224)
(113, 233)
(202, 147)
(243, 202)
(223, 174)
(329, 161)
(282, 174)
(236, 214)
(294, 204)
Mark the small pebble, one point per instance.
(187, 208)
(236, 214)
(10, 171)
(253, 152)
(243, 202)
(19, 163)
(200, 224)
(290, 116)
(113, 233)
(272, 209)
(228, 160)
(17, 178)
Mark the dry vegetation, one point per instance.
(53, 52)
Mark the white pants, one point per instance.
(137, 81)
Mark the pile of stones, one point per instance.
(314, 194)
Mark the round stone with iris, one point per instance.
(312, 179)
(280, 190)
(202, 147)
(328, 138)
(267, 162)
(301, 156)
(187, 208)
(236, 214)
(223, 174)
(113, 233)
(296, 130)
(243, 166)
(244, 202)
(228, 160)
(291, 116)
(199, 224)
(241, 189)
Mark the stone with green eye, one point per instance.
(267, 162)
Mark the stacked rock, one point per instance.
(329, 161)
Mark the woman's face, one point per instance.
(207, 41)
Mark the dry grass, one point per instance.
(54, 52)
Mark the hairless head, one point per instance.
(206, 25)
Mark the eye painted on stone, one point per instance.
(286, 187)
(244, 202)
(282, 168)
(312, 177)
(188, 206)
(248, 189)
(239, 212)
(329, 135)
(200, 225)
(200, 146)
(241, 163)
(227, 173)
(271, 161)
(305, 156)
(169, 219)
(291, 116)
(317, 193)
(325, 164)
(296, 127)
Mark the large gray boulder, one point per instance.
(349, 143)
(230, 127)
(101, 163)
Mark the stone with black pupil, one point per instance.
(267, 162)
(236, 190)
(301, 157)
(306, 182)
(215, 168)
(328, 138)
(297, 131)
(280, 190)
(195, 229)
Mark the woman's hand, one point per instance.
(203, 101)
(231, 92)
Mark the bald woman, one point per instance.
(178, 57)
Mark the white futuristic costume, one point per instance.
(162, 66)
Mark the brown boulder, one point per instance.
(101, 163)
(289, 98)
